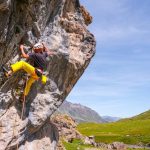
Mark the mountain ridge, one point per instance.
(142, 116)
(110, 118)
(83, 113)
(80, 113)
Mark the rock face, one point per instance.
(90, 141)
(67, 129)
(117, 146)
(62, 25)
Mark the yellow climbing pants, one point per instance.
(30, 70)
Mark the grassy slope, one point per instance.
(143, 116)
(77, 144)
(131, 131)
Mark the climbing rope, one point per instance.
(22, 113)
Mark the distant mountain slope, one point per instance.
(80, 113)
(143, 116)
(110, 119)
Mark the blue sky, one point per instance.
(117, 82)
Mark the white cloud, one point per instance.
(120, 70)
(95, 92)
(119, 79)
(119, 35)
(118, 22)
(107, 6)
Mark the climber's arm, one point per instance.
(49, 52)
(24, 55)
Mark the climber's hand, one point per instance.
(21, 47)
(54, 53)
(23, 54)
(49, 51)
(44, 47)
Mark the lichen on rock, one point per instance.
(62, 26)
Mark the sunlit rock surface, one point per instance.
(62, 26)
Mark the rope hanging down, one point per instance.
(22, 111)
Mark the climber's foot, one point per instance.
(6, 72)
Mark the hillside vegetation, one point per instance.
(135, 130)
(142, 116)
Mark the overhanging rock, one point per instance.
(62, 26)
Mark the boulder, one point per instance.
(118, 146)
(60, 24)
(66, 127)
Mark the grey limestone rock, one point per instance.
(60, 24)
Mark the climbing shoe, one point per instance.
(5, 71)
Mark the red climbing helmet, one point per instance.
(38, 47)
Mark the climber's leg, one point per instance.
(30, 70)
(43, 79)
(26, 67)
(29, 83)
(23, 65)
(7, 74)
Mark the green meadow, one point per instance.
(77, 145)
(135, 130)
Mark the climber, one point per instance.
(38, 57)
